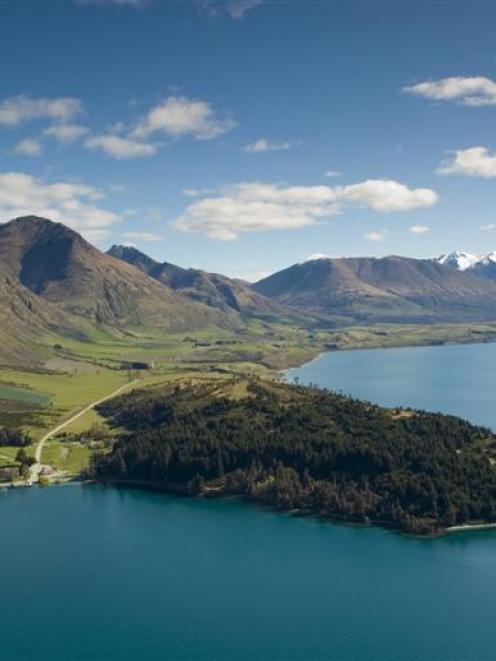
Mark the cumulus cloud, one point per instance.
(487, 228)
(467, 91)
(17, 110)
(386, 195)
(263, 145)
(376, 235)
(28, 147)
(236, 9)
(249, 207)
(473, 162)
(418, 229)
(178, 116)
(119, 147)
(71, 203)
(65, 133)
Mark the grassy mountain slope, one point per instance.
(24, 319)
(58, 266)
(54, 285)
(213, 289)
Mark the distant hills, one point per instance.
(54, 284)
(389, 290)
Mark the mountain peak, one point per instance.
(458, 259)
(59, 266)
(133, 256)
(34, 224)
(490, 258)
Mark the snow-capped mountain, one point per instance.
(483, 266)
(489, 259)
(459, 260)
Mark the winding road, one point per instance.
(36, 468)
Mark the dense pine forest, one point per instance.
(304, 449)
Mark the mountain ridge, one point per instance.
(68, 286)
(383, 289)
(212, 289)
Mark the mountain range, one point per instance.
(387, 290)
(54, 284)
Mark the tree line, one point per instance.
(307, 449)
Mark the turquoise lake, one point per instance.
(457, 379)
(95, 573)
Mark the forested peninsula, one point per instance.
(303, 449)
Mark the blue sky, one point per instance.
(245, 135)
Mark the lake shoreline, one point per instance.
(216, 495)
(322, 351)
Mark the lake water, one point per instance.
(94, 573)
(456, 379)
(101, 574)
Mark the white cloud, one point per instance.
(178, 116)
(316, 255)
(376, 235)
(473, 162)
(250, 207)
(65, 133)
(28, 147)
(119, 147)
(191, 192)
(467, 91)
(236, 9)
(386, 195)
(16, 110)
(487, 228)
(418, 229)
(198, 192)
(254, 276)
(148, 237)
(263, 145)
(70, 203)
(332, 173)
